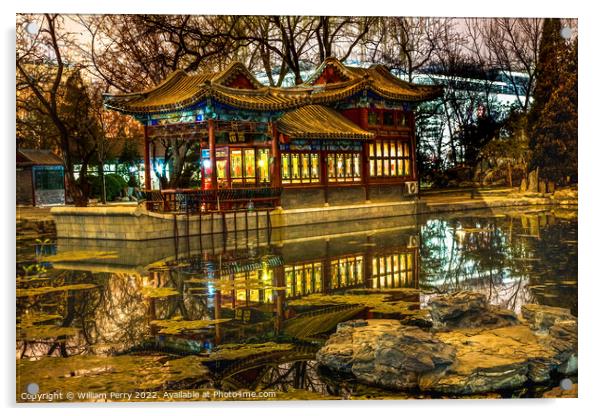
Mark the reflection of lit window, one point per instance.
(393, 271)
(347, 271)
(303, 279)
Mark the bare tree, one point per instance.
(46, 73)
(408, 44)
(512, 46)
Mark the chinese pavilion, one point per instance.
(346, 135)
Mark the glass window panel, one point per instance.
(378, 148)
(236, 164)
(372, 167)
(386, 167)
(286, 173)
(406, 149)
(371, 149)
(250, 164)
(295, 168)
(356, 166)
(406, 168)
(331, 166)
(349, 167)
(385, 148)
(305, 166)
(379, 167)
(315, 167)
(263, 165)
(393, 164)
(221, 169)
(340, 168)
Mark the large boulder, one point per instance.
(557, 330)
(466, 309)
(491, 359)
(541, 318)
(384, 352)
(457, 358)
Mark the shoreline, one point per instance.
(134, 223)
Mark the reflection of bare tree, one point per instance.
(492, 255)
(109, 318)
(280, 377)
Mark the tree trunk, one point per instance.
(103, 187)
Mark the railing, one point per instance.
(202, 200)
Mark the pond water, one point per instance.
(249, 313)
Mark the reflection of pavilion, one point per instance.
(269, 277)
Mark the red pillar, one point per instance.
(365, 153)
(413, 149)
(212, 159)
(276, 178)
(147, 165)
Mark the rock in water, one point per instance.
(491, 359)
(459, 359)
(386, 353)
(468, 310)
(541, 317)
(557, 329)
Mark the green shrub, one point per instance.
(114, 185)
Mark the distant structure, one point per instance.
(497, 95)
(40, 178)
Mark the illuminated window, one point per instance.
(221, 169)
(390, 158)
(236, 165)
(250, 165)
(263, 165)
(344, 167)
(300, 167)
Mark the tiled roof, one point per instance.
(319, 122)
(180, 90)
(36, 157)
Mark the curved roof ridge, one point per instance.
(235, 68)
(331, 60)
